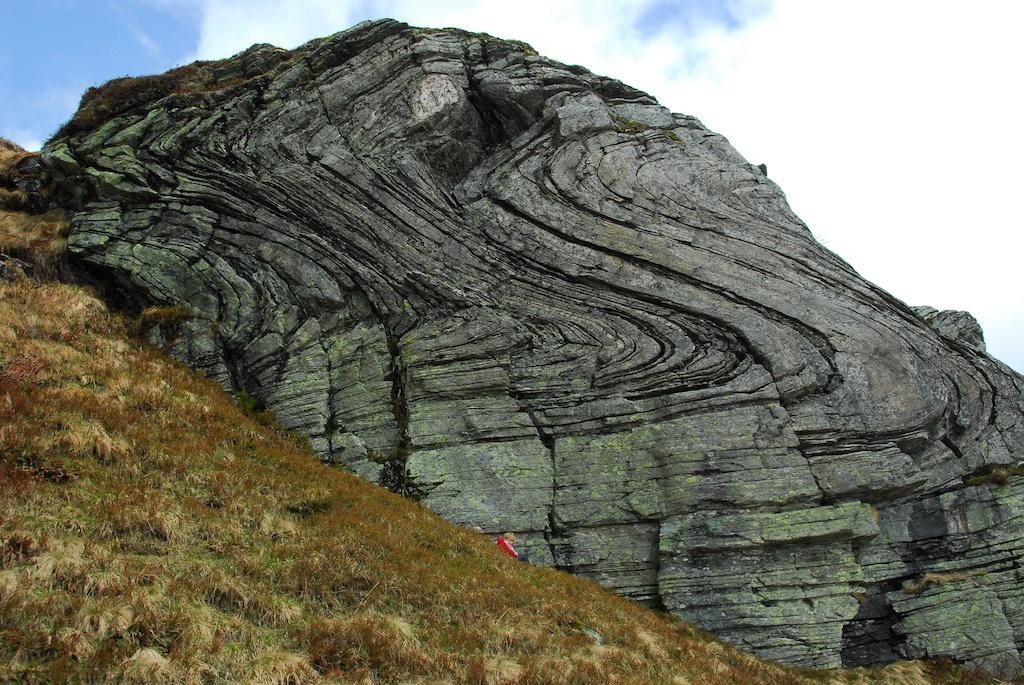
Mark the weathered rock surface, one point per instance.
(954, 326)
(541, 302)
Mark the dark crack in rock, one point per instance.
(541, 302)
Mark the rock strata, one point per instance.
(539, 301)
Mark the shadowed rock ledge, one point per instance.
(541, 302)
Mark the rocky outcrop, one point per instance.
(539, 301)
(955, 326)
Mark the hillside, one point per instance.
(152, 531)
(536, 300)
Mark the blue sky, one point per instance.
(61, 47)
(58, 48)
(657, 16)
(894, 128)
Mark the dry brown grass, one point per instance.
(10, 155)
(935, 578)
(13, 197)
(150, 532)
(102, 103)
(27, 232)
(999, 475)
(117, 96)
(36, 239)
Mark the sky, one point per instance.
(896, 129)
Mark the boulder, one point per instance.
(541, 302)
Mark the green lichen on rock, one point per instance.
(543, 302)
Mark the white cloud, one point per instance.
(893, 127)
(29, 140)
(229, 26)
(47, 102)
(144, 40)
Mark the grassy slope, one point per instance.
(152, 532)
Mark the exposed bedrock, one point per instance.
(539, 301)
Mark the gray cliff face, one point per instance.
(541, 302)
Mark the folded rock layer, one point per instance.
(541, 302)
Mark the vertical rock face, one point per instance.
(541, 302)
